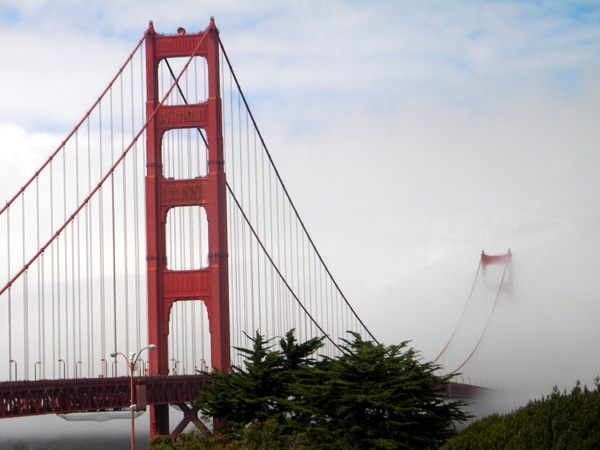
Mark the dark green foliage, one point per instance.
(266, 436)
(560, 421)
(263, 389)
(257, 435)
(188, 441)
(375, 396)
(372, 396)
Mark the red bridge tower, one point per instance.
(208, 284)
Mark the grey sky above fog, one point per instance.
(410, 134)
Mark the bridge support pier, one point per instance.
(190, 415)
(159, 420)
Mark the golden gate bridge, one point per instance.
(161, 221)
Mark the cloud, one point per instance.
(21, 150)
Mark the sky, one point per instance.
(411, 135)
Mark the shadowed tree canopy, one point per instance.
(263, 389)
(371, 396)
(377, 396)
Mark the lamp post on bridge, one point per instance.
(131, 363)
(35, 370)
(104, 368)
(62, 362)
(12, 361)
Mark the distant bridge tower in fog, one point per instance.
(493, 280)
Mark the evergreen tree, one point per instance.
(262, 389)
(376, 396)
(372, 396)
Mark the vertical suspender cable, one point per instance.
(280, 293)
(271, 231)
(58, 302)
(252, 298)
(40, 289)
(236, 281)
(257, 207)
(9, 307)
(101, 244)
(298, 282)
(64, 283)
(305, 291)
(25, 296)
(242, 244)
(55, 344)
(284, 262)
(79, 257)
(137, 205)
(124, 211)
(76, 327)
(89, 256)
(112, 221)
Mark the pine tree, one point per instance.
(262, 389)
(372, 396)
(376, 396)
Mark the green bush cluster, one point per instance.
(560, 421)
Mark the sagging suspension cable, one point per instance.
(283, 279)
(487, 323)
(264, 145)
(462, 315)
(255, 234)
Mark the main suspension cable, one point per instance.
(263, 143)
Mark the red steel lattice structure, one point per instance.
(207, 284)
(20, 399)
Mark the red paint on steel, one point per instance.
(487, 260)
(167, 286)
(506, 261)
(31, 398)
(461, 390)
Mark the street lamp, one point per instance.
(131, 362)
(104, 368)
(78, 366)
(12, 361)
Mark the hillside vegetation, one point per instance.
(560, 421)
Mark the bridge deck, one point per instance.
(464, 391)
(30, 398)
